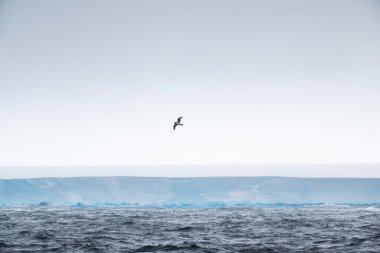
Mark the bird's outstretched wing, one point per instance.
(174, 126)
(179, 119)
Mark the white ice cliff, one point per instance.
(191, 191)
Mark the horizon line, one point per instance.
(211, 164)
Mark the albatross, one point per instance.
(178, 123)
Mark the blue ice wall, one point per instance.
(191, 191)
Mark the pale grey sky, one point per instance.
(100, 82)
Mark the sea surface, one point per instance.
(236, 229)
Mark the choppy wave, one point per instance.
(208, 205)
(245, 229)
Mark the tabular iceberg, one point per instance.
(206, 191)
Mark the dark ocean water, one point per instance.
(260, 229)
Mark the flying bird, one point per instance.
(178, 123)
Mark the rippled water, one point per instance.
(307, 229)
